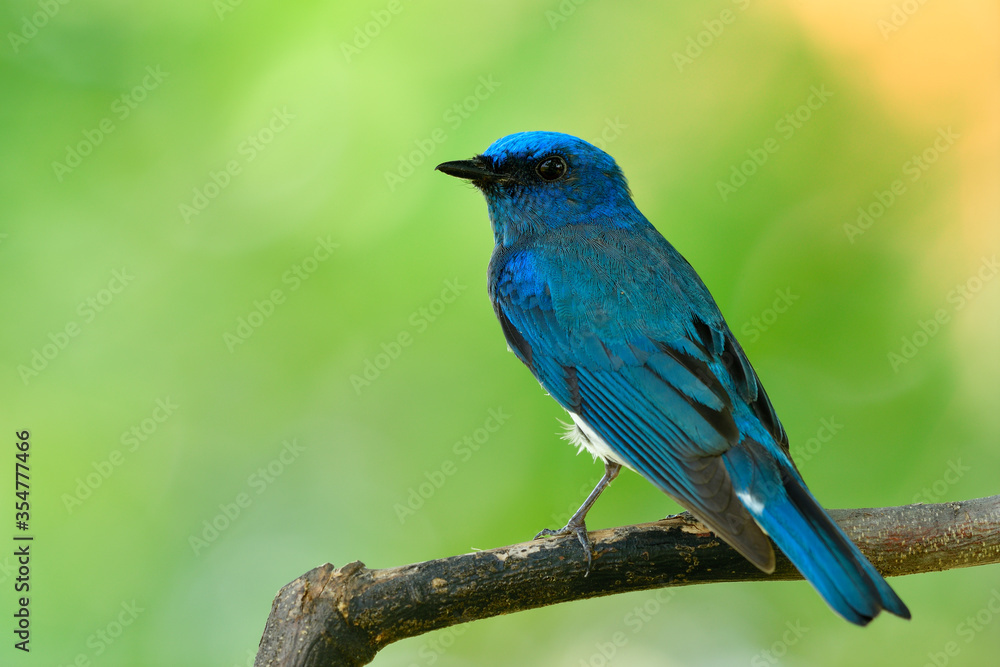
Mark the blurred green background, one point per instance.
(234, 283)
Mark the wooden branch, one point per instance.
(334, 617)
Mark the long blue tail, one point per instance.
(777, 498)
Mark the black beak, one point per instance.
(476, 170)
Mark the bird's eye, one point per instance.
(551, 168)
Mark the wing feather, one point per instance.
(658, 399)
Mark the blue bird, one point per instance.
(620, 330)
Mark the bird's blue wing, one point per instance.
(656, 401)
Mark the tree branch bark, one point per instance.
(343, 617)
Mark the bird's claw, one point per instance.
(577, 524)
(572, 528)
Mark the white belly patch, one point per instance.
(581, 436)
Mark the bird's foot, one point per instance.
(576, 525)
(578, 528)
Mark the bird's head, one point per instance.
(536, 181)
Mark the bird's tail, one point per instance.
(779, 501)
